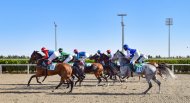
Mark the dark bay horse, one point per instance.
(94, 68)
(111, 69)
(62, 69)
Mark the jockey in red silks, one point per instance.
(50, 55)
(109, 54)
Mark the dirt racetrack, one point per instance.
(13, 89)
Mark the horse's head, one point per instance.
(95, 57)
(121, 57)
(118, 55)
(34, 57)
(104, 58)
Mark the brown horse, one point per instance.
(62, 69)
(110, 69)
(95, 68)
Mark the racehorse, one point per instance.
(147, 69)
(95, 68)
(62, 69)
(110, 68)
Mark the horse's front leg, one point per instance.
(31, 79)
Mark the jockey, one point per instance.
(81, 56)
(100, 56)
(109, 53)
(99, 52)
(133, 53)
(49, 55)
(64, 56)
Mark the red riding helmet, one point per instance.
(43, 49)
(108, 51)
(75, 51)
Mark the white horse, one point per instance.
(147, 69)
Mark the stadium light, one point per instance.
(55, 36)
(169, 22)
(122, 24)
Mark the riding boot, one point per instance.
(47, 66)
(132, 67)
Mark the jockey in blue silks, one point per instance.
(81, 56)
(134, 54)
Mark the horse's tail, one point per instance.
(171, 74)
(164, 70)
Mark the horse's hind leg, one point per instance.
(78, 79)
(150, 86)
(31, 79)
(37, 79)
(60, 83)
(46, 74)
(99, 80)
(157, 81)
(71, 82)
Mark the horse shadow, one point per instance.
(97, 93)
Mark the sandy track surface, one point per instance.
(13, 89)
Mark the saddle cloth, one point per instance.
(138, 67)
(52, 66)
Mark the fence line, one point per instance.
(177, 65)
(28, 66)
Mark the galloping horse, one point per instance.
(62, 69)
(95, 68)
(110, 68)
(147, 69)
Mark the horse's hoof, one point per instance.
(144, 92)
(69, 92)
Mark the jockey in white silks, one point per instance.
(134, 54)
(65, 56)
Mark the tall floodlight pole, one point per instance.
(55, 36)
(169, 22)
(122, 24)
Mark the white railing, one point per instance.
(28, 66)
(178, 65)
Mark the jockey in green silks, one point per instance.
(65, 57)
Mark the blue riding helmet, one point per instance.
(125, 47)
(99, 51)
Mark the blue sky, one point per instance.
(91, 25)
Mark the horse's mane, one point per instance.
(39, 54)
(121, 52)
(105, 55)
